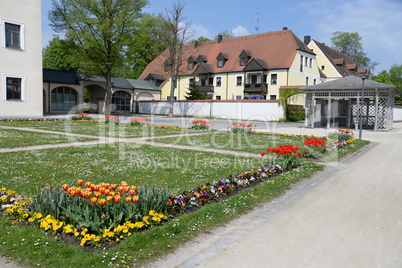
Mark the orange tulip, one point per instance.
(109, 199)
(117, 199)
(106, 192)
(65, 187)
(113, 186)
(94, 200)
(120, 189)
(88, 184)
(136, 198)
(132, 192)
(128, 199)
(112, 194)
(101, 202)
(97, 194)
(80, 182)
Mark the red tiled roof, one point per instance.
(338, 59)
(275, 50)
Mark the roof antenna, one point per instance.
(257, 28)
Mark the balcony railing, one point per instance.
(256, 87)
(206, 89)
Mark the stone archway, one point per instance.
(63, 99)
(96, 98)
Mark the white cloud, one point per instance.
(240, 31)
(199, 30)
(377, 22)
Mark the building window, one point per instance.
(314, 81)
(272, 97)
(307, 81)
(305, 61)
(203, 81)
(220, 63)
(254, 78)
(190, 81)
(218, 97)
(218, 81)
(274, 79)
(311, 63)
(239, 81)
(243, 61)
(238, 97)
(301, 63)
(211, 81)
(14, 86)
(122, 101)
(191, 65)
(63, 99)
(13, 34)
(322, 68)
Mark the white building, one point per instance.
(21, 93)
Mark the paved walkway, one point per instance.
(347, 216)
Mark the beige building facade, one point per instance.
(21, 59)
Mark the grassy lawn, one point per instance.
(234, 141)
(179, 170)
(46, 123)
(122, 131)
(14, 138)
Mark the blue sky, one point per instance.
(378, 22)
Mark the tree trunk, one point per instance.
(171, 101)
(108, 96)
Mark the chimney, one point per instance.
(307, 39)
(220, 38)
(285, 28)
(195, 44)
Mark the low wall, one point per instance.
(265, 110)
(397, 113)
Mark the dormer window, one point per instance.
(190, 63)
(244, 58)
(167, 65)
(220, 60)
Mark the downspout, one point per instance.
(227, 85)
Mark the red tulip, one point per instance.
(65, 187)
(262, 154)
(80, 182)
(101, 202)
(94, 200)
(128, 199)
(136, 198)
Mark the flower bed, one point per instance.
(241, 128)
(200, 125)
(95, 214)
(138, 121)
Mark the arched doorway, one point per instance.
(121, 101)
(63, 99)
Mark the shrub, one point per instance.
(295, 113)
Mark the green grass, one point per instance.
(14, 138)
(179, 170)
(122, 130)
(235, 141)
(28, 171)
(47, 123)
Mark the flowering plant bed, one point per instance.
(138, 121)
(112, 119)
(200, 125)
(241, 128)
(81, 117)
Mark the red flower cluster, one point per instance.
(242, 125)
(139, 119)
(286, 150)
(202, 122)
(94, 192)
(112, 117)
(345, 131)
(316, 142)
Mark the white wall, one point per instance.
(246, 110)
(397, 113)
(25, 63)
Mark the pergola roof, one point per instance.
(349, 83)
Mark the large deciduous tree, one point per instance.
(392, 77)
(57, 55)
(102, 29)
(351, 45)
(175, 34)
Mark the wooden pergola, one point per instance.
(337, 103)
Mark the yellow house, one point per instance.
(246, 67)
(331, 63)
(21, 59)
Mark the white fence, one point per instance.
(243, 109)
